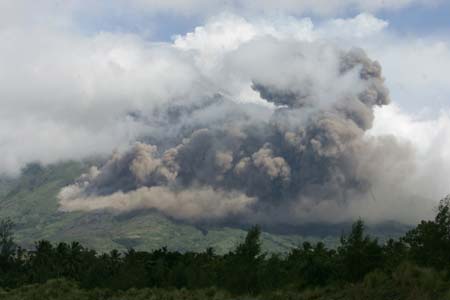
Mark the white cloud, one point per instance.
(362, 26)
(66, 95)
(61, 90)
(431, 140)
(86, 84)
(226, 33)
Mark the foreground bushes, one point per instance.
(414, 267)
(408, 282)
(61, 289)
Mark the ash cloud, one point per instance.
(271, 85)
(218, 158)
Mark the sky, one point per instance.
(73, 73)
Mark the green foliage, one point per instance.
(359, 269)
(312, 265)
(429, 242)
(7, 245)
(8, 250)
(242, 266)
(61, 289)
(359, 254)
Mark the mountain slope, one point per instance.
(31, 202)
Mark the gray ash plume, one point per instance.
(304, 150)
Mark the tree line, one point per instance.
(245, 270)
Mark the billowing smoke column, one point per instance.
(301, 148)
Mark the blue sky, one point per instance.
(420, 20)
(414, 19)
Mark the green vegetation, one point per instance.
(415, 266)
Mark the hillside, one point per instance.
(31, 202)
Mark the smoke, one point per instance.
(273, 112)
(193, 204)
(221, 160)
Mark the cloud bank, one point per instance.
(273, 120)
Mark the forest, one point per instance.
(416, 266)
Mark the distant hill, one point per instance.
(30, 200)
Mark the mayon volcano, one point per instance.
(289, 125)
